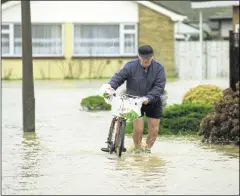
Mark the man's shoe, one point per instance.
(105, 149)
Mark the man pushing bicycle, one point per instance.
(145, 77)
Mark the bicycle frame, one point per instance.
(116, 144)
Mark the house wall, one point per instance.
(63, 68)
(226, 26)
(76, 11)
(157, 30)
(80, 12)
(182, 28)
(59, 68)
(235, 16)
(154, 29)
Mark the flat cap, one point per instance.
(145, 51)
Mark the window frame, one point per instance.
(128, 31)
(122, 31)
(11, 40)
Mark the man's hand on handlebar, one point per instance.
(109, 91)
(145, 100)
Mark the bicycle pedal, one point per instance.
(105, 149)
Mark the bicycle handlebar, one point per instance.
(125, 95)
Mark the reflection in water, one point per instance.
(230, 150)
(30, 161)
(145, 171)
(142, 162)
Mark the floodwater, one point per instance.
(64, 156)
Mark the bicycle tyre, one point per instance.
(121, 137)
(116, 143)
(110, 146)
(110, 142)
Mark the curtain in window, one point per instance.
(46, 39)
(96, 40)
(129, 43)
(5, 45)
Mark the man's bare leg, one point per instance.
(138, 126)
(153, 126)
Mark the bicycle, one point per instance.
(120, 120)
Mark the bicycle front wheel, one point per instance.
(121, 137)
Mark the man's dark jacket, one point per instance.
(141, 82)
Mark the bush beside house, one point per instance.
(221, 126)
(203, 94)
(94, 103)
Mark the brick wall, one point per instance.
(157, 30)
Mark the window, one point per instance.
(104, 40)
(5, 39)
(236, 28)
(47, 40)
(5, 43)
(96, 40)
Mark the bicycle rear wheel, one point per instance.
(120, 136)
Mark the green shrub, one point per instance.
(183, 118)
(192, 110)
(222, 124)
(178, 119)
(181, 125)
(94, 103)
(203, 94)
(129, 127)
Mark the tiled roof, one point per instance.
(184, 7)
(223, 14)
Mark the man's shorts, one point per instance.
(152, 110)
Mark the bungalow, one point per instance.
(221, 23)
(211, 4)
(200, 6)
(86, 39)
(217, 17)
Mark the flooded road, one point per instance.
(64, 156)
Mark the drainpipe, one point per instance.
(201, 43)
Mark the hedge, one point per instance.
(178, 119)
